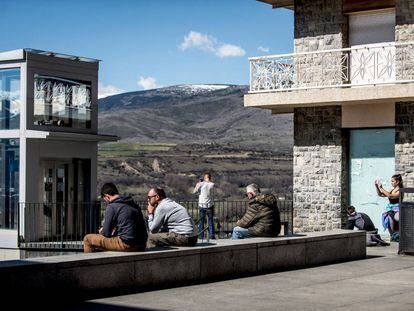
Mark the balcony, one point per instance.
(371, 73)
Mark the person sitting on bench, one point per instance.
(169, 223)
(262, 218)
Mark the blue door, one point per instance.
(371, 157)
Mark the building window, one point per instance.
(62, 102)
(9, 183)
(9, 98)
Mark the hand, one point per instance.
(150, 209)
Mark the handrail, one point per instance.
(359, 47)
(374, 64)
(62, 226)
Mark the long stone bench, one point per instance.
(100, 274)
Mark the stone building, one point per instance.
(350, 86)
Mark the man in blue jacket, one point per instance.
(123, 228)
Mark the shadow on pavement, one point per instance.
(90, 306)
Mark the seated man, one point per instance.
(169, 222)
(262, 218)
(363, 222)
(123, 226)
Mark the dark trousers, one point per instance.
(202, 212)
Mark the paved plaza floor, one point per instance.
(383, 281)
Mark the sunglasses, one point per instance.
(151, 196)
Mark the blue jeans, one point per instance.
(201, 215)
(240, 233)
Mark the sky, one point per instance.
(145, 44)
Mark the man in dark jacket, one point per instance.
(123, 228)
(363, 222)
(262, 218)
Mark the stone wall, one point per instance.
(404, 111)
(319, 25)
(404, 141)
(318, 169)
(404, 32)
(404, 28)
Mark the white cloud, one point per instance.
(210, 44)
(263, 49)
(108, 90)
(198, 40)
(147, 83)
(229, 50)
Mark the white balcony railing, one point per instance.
(364, 65)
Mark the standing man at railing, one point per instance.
(123, 228)
(262, 218)
(205, 204)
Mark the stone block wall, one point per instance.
(404, 19)
(404, 141)
(319, 25)
(404, 32)
(318, 169)
(404, 111)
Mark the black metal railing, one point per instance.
(58, 226)
(227, 213)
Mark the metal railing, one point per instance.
(365, 65)
(227, 213)
(58, 226)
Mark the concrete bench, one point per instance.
(100, 274)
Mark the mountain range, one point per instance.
(194, 114)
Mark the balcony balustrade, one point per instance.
(389, 63)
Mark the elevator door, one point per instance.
(55, 196)
(371, 157)
(64, 196)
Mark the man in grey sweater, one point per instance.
(169, 222)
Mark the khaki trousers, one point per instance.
(97, 242)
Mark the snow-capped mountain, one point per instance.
(201, 88)
(193, 114)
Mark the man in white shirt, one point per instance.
(205, 204)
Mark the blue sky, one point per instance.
(151, 43)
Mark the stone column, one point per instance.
(404, 19)
(404, 111)
(404, 32)
(404, 141)
(319, 25)
(318, 169)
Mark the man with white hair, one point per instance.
(262, 218)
